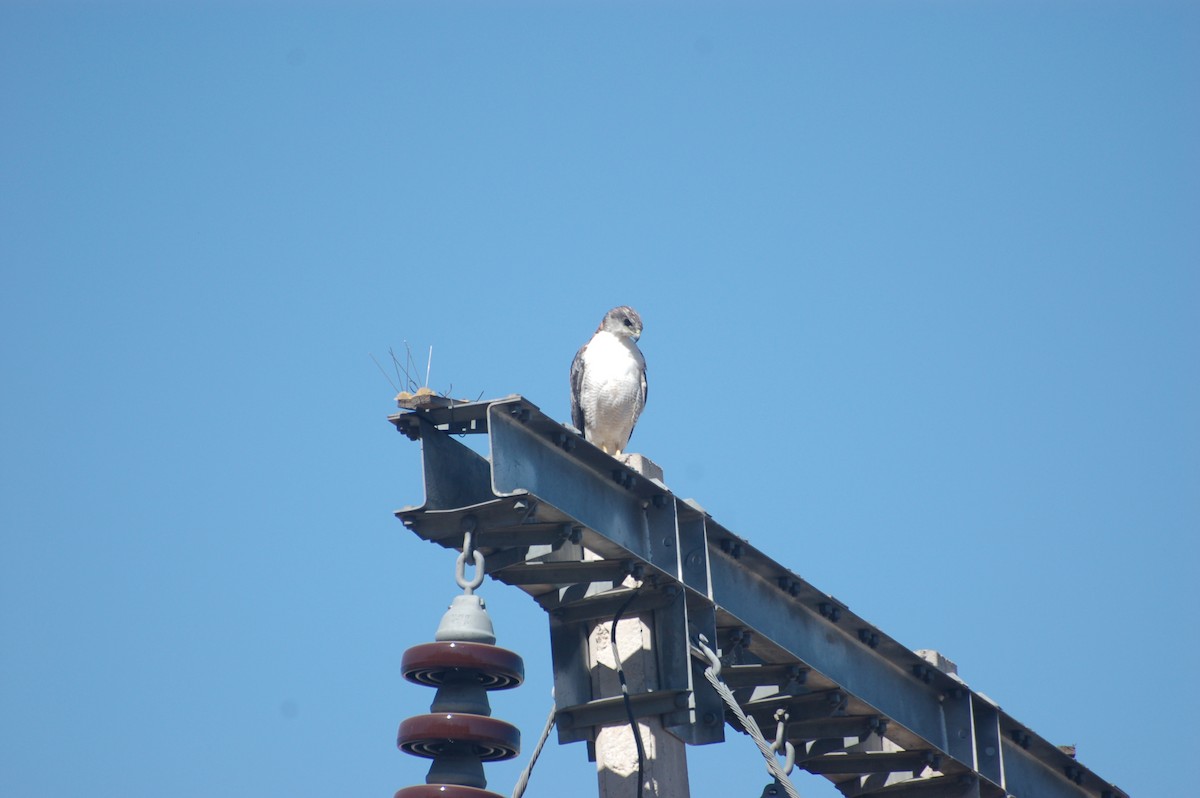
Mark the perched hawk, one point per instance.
(608, 381)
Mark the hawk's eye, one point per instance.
(628, 323)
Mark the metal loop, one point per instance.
(781, 718)
(781, 743)
(789, 759)
(460, 572)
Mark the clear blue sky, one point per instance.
(920, 282)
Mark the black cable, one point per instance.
(637, 733)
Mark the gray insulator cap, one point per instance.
(466, 621)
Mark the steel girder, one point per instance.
(566, 523)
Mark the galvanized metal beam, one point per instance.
(545, 496)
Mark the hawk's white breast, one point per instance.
(611, 394)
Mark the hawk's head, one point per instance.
(623, 321)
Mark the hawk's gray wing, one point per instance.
(576, 389)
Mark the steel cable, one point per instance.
(751, 727)
(523, 781)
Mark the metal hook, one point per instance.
(789, 761)
(781, 718)
(714, 662)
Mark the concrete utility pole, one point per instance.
(664, 767)
(664, 761)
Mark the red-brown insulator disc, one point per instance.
(445, 791)
(498, 668)
(431, 736)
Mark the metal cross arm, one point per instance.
(566, 523)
